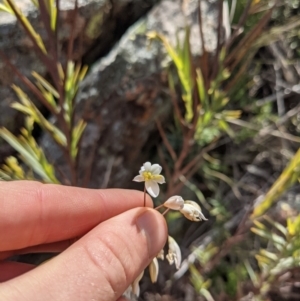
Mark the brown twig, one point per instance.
(240, 24)
(204, 61)
(163, 162)
(165, 140)
(182, 122)
(236, 55)
(28, 83)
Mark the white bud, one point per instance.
(161, 254)
(192, 211)
(175, 202)
(135, 286)
(174, 253)
(153, 270)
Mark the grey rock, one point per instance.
(126, 91)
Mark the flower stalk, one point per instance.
(150, 174)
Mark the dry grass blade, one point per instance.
(28, 83)
(240, 51)
(34, 37)
(240, 24)
(45, 16)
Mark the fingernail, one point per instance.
(154, 229)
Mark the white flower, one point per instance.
(192, 211)
(175, 202)
(150, 174)
(153, 270)
(174, 253)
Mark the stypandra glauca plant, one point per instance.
(204, 89)
(57, 95)
(150, 174)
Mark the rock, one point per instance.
(127, 90)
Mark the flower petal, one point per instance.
(160, 179)
(147, 166)
(152, 188)
(175, 202)
(153, 270)
(138, 178)
(155, 169)
(174, 253)
(192, 211)
(135, 285)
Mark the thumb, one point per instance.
(99, 266)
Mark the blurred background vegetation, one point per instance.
(222, 118)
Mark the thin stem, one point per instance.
(145, 196)
(166, 211)
(165, 140)
(158, 207)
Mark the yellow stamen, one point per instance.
(148, 175)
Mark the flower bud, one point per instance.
(135, 287)
(175, 202)
(192, 211)
(161, 254)
(153, 270)
(174, 253)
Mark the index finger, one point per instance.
(32, 213)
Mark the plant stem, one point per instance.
(158, 207)
(166, 211)
(145, 196)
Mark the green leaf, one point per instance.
(32, 156)
(45, 84)
(276, 239)
(269, 255)
(5, 8)
(76, 135)
(11, 170)
(259, 225)
(28, 108)
(181, 58)
(201, 89)
(287, 178)
(25, 22)
(278, 226)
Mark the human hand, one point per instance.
(105, 240)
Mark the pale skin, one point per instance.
(104, 238)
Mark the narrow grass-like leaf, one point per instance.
(45, 84)
(28, 107)
(288, 177)
(24, 21)
(32, 157)
(6, 8)
(276, 239)
(76, 136)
